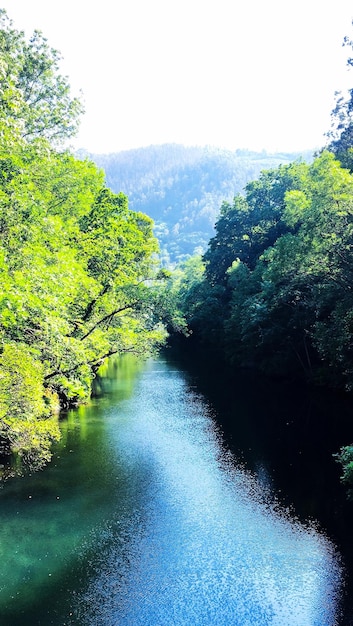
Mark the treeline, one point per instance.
(181, 189)
(274, 290)
(277, 285)
(77, 266)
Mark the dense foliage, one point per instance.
(182, 188)
(274, 287)
(279, 273)
(77, 266)
(35, 98)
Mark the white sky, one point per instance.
(257, 74)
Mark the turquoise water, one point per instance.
(144, 518)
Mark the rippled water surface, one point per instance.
(145, 519)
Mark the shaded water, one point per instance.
(145, 518)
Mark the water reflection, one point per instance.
(52, 523)
(205, 548)
(144, 518)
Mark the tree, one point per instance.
(252, 223)
(26, 414)
(78, 273)
(341, 133)
(295, 306)
(78, 268)
(34, 97)
(282, 263)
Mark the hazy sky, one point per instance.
(257, 74)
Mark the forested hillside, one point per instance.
(182, 188)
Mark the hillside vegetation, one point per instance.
(182, 188)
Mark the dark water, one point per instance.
(152, 514)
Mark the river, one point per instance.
(156, 512)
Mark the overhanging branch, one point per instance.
(109, 317)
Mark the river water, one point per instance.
(150, 515)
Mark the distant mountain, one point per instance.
(182, 188)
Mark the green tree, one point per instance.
(34, 97)
(78, 269)
(295, 307)
(281, 261)
(341, 133)
(26, 414)
(252, 223)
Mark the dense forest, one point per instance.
(273, 290)
(182, 188)
(78, 268)
(270, 286)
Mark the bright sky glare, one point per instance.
(257, 74)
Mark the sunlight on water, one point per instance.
(199, 545)
(144, 519)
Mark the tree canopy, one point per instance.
(35, 98)
(276, 292)
(78, 269)
(280, 266)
